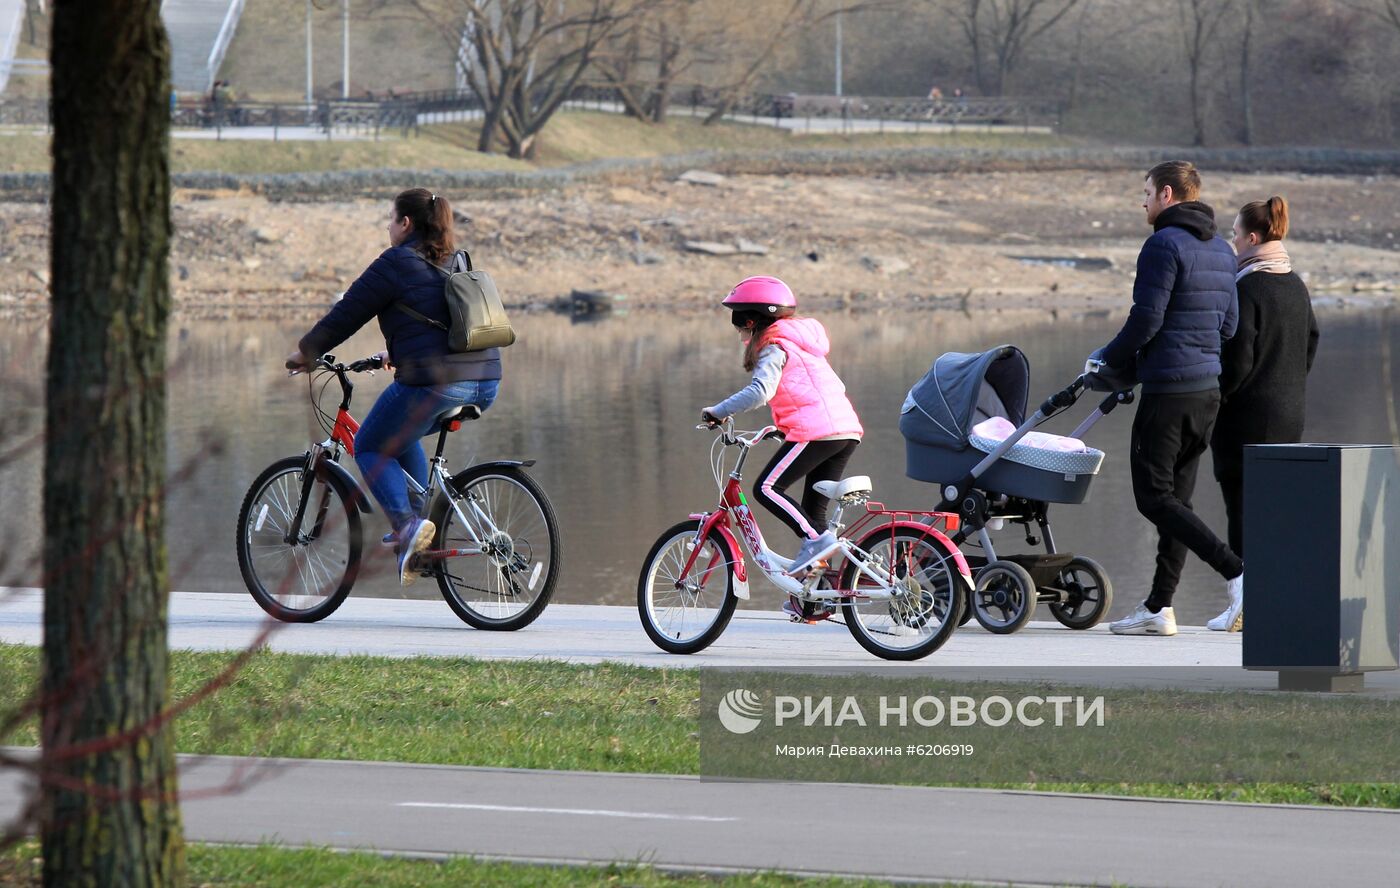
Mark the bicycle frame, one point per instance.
(342, 439)
(733, 504)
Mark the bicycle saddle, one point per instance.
(453, 421)
(838, 489)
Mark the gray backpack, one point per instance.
(478, 318)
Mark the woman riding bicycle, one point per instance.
(430, 380)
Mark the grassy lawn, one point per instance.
(270, 867)
(30, 153)
(571, 137)
(520, 715)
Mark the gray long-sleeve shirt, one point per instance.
(767, 371)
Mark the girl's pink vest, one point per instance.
(811, 401)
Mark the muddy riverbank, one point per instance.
(1058, 241)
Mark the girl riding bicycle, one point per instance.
(787, 356)
(430, 381)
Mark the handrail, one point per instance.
(221, 43)
(12, 38)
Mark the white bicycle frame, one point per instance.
(773, 565)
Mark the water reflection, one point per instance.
(608, 409)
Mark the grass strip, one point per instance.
(571, 138)
(518, 715)
(215, 866)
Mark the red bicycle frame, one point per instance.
(924, 522)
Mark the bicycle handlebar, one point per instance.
(328, 362)
(747, 439)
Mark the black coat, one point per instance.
(1183, 304)
(1264, 382)
(418, 350)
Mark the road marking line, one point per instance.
(587, 812)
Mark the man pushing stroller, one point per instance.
(1184, 307)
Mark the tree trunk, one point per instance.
(1198, 116)
(1072, 101)
(979, 66)
(490, 123)
(109, 812)
(723, 105)
(660, 97)
(1247, 108)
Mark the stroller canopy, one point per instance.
(961, 390)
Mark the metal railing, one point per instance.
(778, 107)
(406, 112)
(221, 42)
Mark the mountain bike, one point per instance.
(495, 556)
(900, 588)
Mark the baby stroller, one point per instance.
(989, 483)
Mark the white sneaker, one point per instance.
(414, 537)
(1232, 620)
(1144, 622)
(811, 551)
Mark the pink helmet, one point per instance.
(762, 294)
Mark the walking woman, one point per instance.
(1264, 366)
(401, 289)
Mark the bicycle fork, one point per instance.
(309, 476)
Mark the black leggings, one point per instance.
(819, 461)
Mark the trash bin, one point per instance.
(1322, 582)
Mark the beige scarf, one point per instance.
(1270, 256)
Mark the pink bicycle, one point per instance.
(900, 588)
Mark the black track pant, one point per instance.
(818, 461)
(1170, 432)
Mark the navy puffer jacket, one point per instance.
(418, 350)
(1184, 304)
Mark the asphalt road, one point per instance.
(692, 824)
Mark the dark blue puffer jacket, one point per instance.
(418, 350)
(1184, 304)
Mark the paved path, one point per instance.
(595, 633)
(904, 833)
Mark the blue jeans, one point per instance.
(388, 440)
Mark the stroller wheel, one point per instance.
(1086, 596)
(1004, 597)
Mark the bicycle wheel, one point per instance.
(683, 615)
(511, 530)
(304, 580)
(1088, 594)
(929, 594)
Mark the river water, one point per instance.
(608, 410)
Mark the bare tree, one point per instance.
(524, 58)
(652, 51)
(107, 767)
(1112, 25)
(1387, 11)
(1246, 98)
(998, 32)
(743, 53)
(1198, 21)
